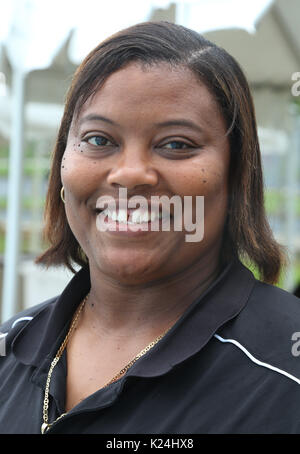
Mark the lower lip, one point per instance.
(145, 228)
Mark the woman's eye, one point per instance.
(176, 145)
(98, 141)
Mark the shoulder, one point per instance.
(10, 328)
(266, 330)
(271, 307)
(275, 296)
(25, 315)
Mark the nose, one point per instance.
(133, 168)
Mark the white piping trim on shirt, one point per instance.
(21, 319)
(255, 360)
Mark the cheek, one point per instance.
(78, 174)
(215, 191)
(208, 180)
(75, 176)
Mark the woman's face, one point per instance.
(155, 132)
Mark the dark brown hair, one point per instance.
(247, 233)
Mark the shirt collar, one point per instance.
(221, 302)
(40, 336)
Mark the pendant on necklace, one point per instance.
(44, 427)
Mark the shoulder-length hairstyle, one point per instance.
(247, 234)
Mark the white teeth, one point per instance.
(122, 216)
(146, 217)
(138, 217)
(113, 215)
(154, 216)
(135, 217)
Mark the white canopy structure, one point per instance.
(43, 41)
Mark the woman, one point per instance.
(156, 334)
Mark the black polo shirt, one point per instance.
(226, 366)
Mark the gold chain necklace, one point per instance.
(46, 425)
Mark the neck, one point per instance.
(115, 307)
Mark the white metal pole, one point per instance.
(291, 207)
(13, 217)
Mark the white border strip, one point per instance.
(21, 319)
(256, 361)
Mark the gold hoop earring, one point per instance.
(62, 194)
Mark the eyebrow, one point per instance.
(164, 124)
(180, 122)
(95, 117)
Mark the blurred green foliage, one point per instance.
(296, 103)
(275, 202)
(281, 281)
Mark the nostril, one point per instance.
(99, 210)
(132, 178)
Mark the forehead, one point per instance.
(160, 89)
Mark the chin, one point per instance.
(127, 270)
(130, 277)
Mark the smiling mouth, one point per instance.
(133, 221)
(132, 216)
